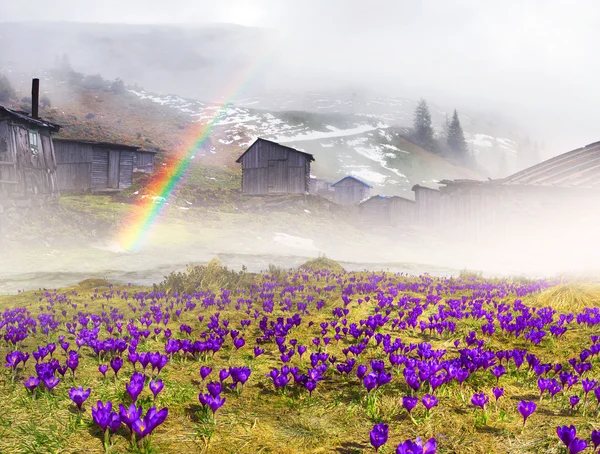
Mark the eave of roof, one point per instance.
(23, 116)
(353, 178)
(310, 156)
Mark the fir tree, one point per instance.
(456, 138)
(422, 129)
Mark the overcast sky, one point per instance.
(535, 60)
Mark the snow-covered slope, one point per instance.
(368, 147)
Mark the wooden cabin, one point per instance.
(321, 187)
(402, 211)
(376, 211)
(351, 191)
(27, 160)
(86, 165)
(429, 206)
(271, 168)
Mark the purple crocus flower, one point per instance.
(31, 383)
(595, 438)
(116, 363)
(526, 408)
(429, 401)
(577, 446)
(51, 382)
(258, 351)
(129, 415)
(379, 436)
(101, 414)
(417, 447)
(223, 374)
(479, 400)
(566, 434)
(156, 386)
(409, 403)
(79, 395)
(498, 393)
(573, 400)
(135, 385)
(103, 368)
(214, 388)
(361, 371)
(239, 342)
(205, 372)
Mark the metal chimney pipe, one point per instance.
(35, 98)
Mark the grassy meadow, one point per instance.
(338, 416)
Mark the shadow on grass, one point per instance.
(351, 448)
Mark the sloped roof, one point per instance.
(103, 144)
(353, 178)
(310, 157)
(23, 116)
(577, 168)
(369, 199)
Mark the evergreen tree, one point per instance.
(456, 138)
(422, 130)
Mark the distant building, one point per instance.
(321, 187)
(86, 165)
(376, 211)
(402, 211)
(271, 168)
(350, 191)
(429, 206)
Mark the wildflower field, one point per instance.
(301, 361)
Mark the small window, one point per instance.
(34, 142)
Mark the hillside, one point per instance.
(216, 62)
(368, 148)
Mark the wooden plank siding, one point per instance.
(74, 165)
(125, 169)
(271, 168)
(143, 161)
(100, 169)
(96, 166)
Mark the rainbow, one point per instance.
(140, 222)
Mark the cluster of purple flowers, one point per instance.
(379, 437)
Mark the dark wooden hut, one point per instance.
(86, 165)
(376, 211)
(27, 160)
(271, 168)
(350, 191)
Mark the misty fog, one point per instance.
(516, 70)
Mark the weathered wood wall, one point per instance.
(143, 161)
(125, 169)
(268, 168)
(74, 165)
(350, 192)
(430, 207)
(402, 211)
(24, 172)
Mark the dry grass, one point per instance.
(570, 296)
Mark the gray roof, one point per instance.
(23, 116)
(353, 178)
(577, 168)
(310, 157)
